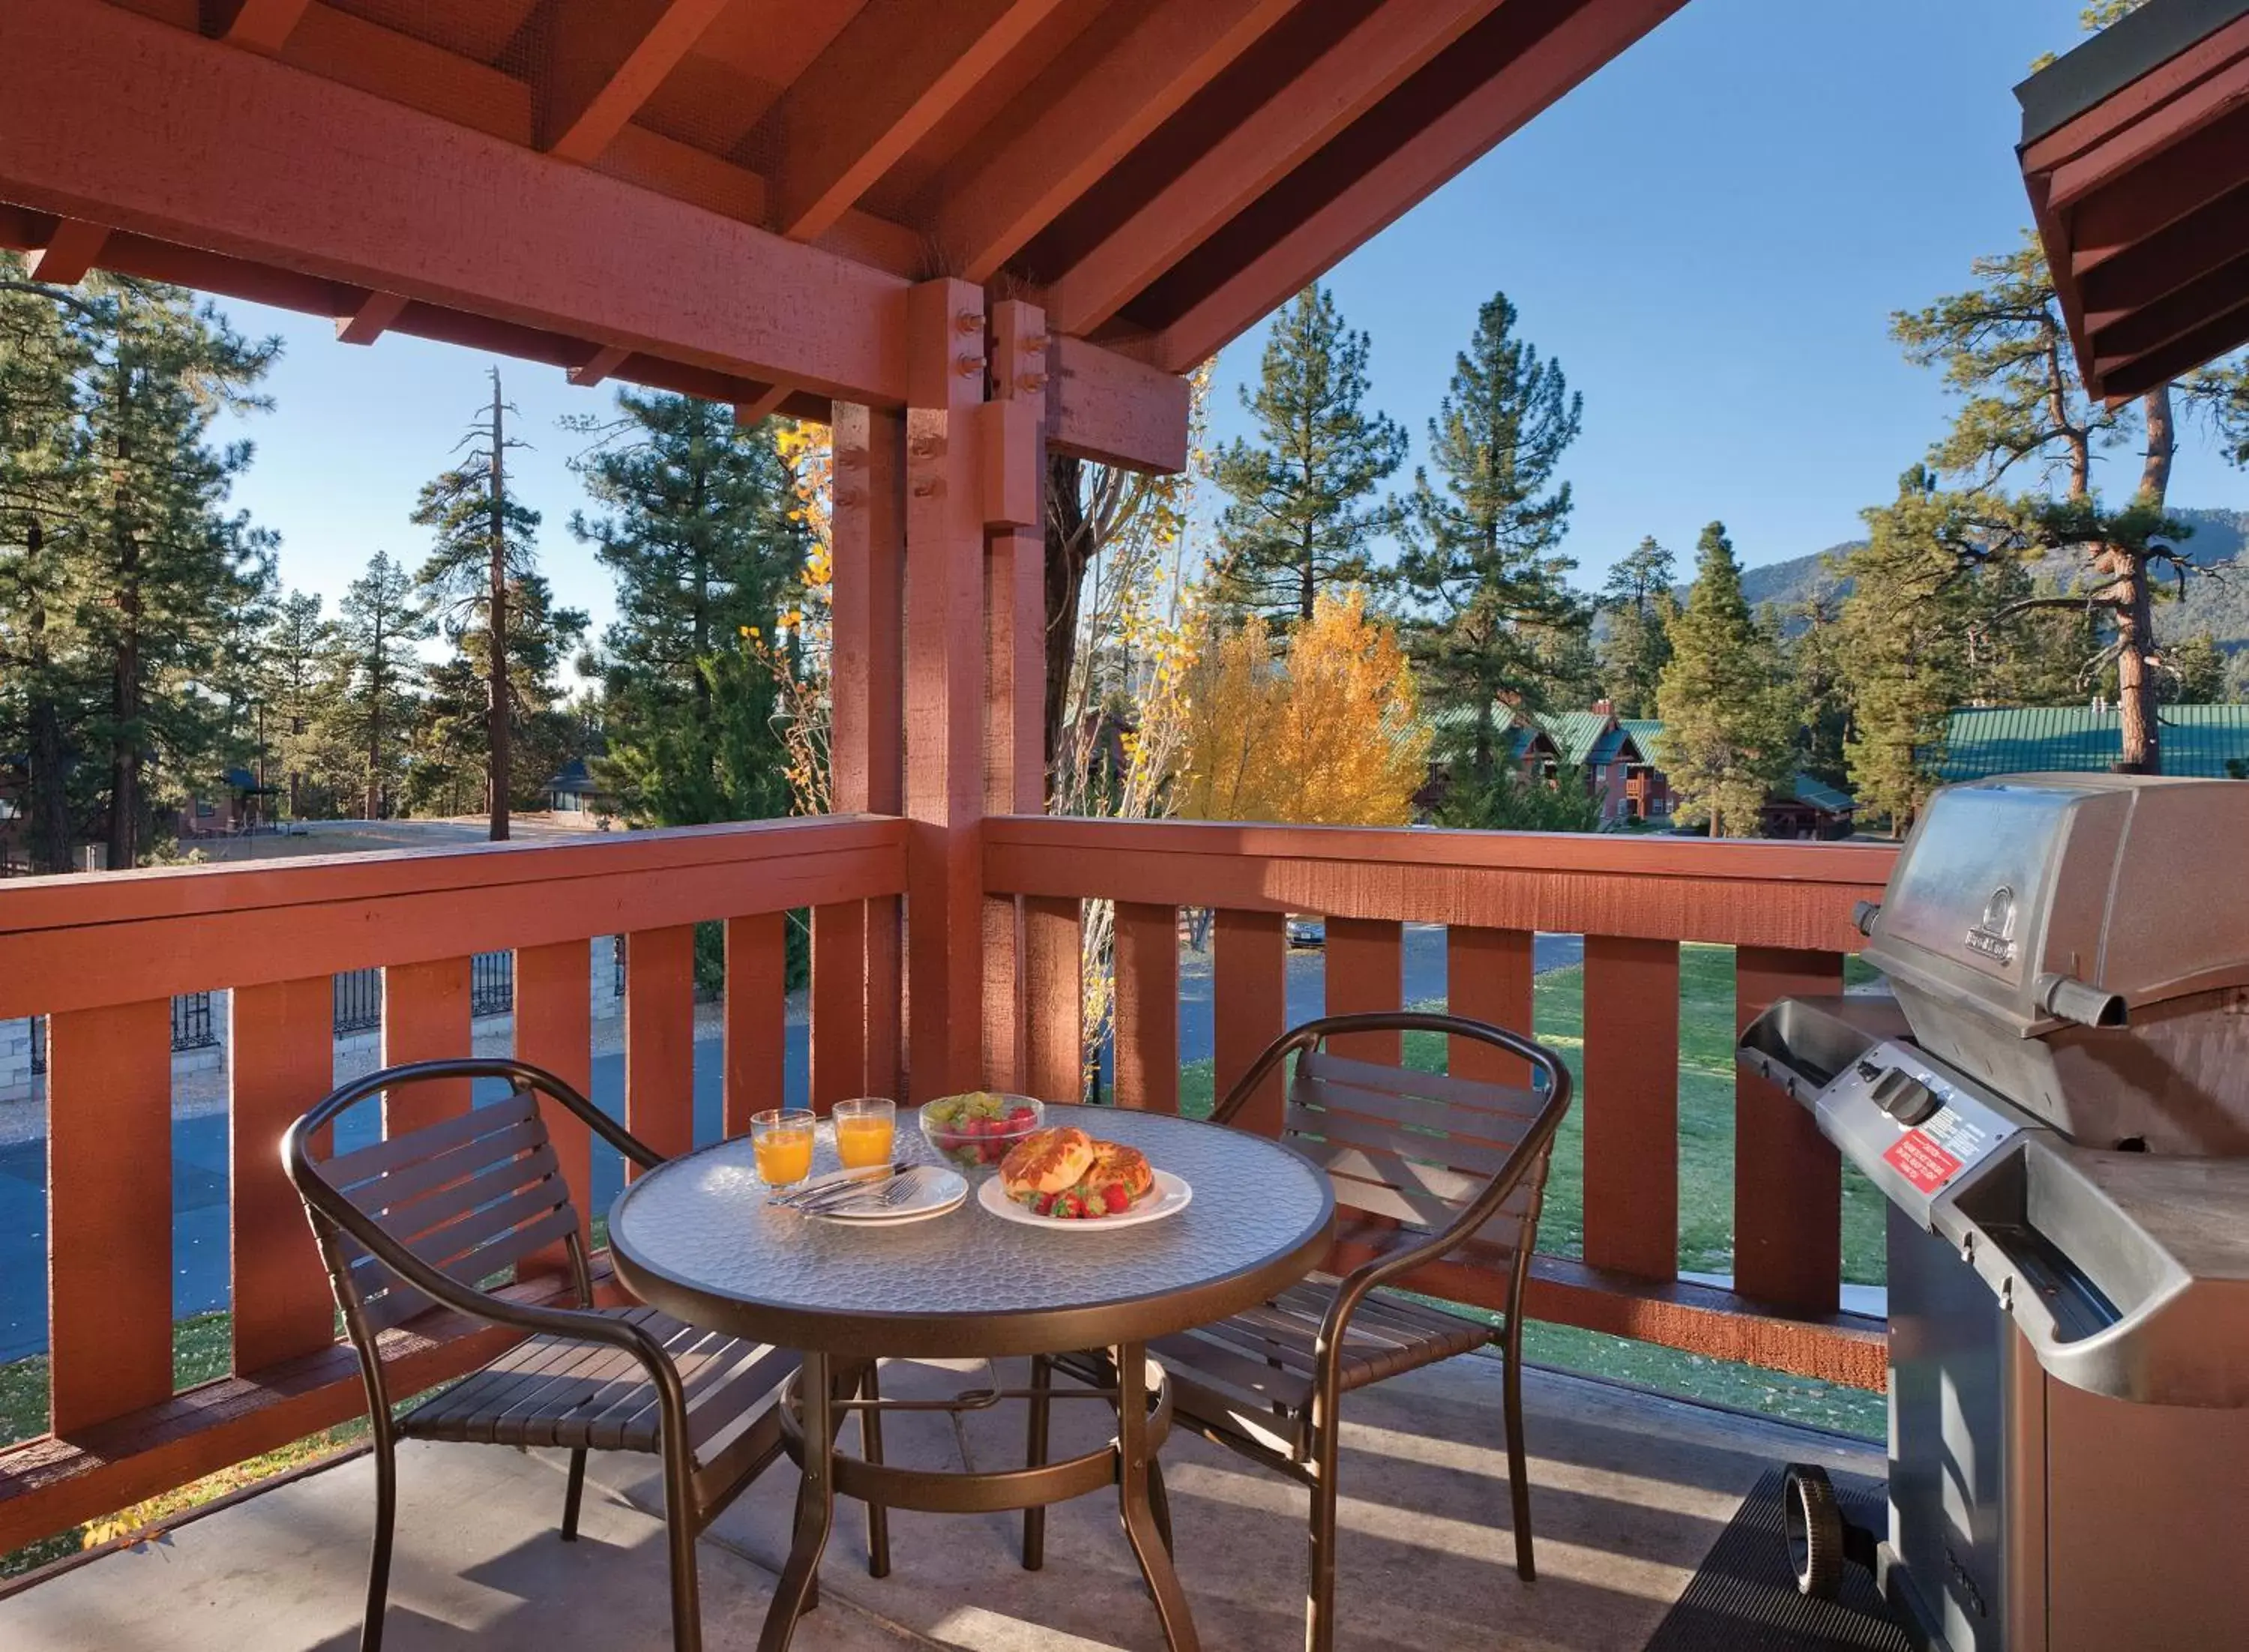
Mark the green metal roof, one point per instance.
(1821, 796)
(2198, 741)
(1647, 734)
(1574, 732)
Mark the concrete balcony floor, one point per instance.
(1628, 1492)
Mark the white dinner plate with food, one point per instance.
(1167, 1198)
(935, 1190)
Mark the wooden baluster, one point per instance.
(756, 1016)
(1148, 1013)
(1053, 1000)
(1364, 971)
(839, 1003)
(109, 1211)
(1250, 1003)
(425, 1018)
(1788, 1178)
(1007, 1036)
(1489, 977)
(886, 1002)
(660, 1038)
(281, 1059)
(1631, 1106)
(554, 1029)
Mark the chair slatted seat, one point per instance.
(1430, 1165)
(423, 1222)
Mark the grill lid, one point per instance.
(2041, 901)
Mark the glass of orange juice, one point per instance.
(865, 1129)
(782, 1141)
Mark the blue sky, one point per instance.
(1709, 235)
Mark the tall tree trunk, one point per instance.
(49, 800)
(2163, 442)
(497, 628)
(1307, 581)
(124, 663)
(1069, 545)
(2126, 574)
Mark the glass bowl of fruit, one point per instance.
(973, 1132)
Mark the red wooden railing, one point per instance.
(1785, 906)
(103, 956)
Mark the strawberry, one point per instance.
(1067, 1205)
(1021, 1119)
(1115, 1197)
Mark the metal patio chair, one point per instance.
(418, 1223)
(1431, 1164)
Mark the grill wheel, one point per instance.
(1815, 1530)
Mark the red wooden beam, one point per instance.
(597, 366)
(370, 319)
(261, 25)
(604, 59)
(70, 253)
(897, 69)
(1169, 52)
(116, 118)
(1301, 113)
(747, 415)
(1287, 253)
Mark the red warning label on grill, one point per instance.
(1923, 1161)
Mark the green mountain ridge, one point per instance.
(2217, 603)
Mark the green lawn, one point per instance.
(1706, 1213)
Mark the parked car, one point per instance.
(1305, 931)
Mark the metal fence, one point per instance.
(39, 1044)
(491, 984)
(358, 1001)
(192, 1028)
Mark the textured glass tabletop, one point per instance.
(698, 1239)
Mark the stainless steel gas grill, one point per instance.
(2055, 1102)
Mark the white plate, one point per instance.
(943, 1190)
(1169, 1198)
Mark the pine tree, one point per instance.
(1905, 629)
(452, 766)
(297, 685)
(1301, 514)
(44, 457)
(485, 542)
(378, 623)
(1482, 552)
(163, 569)
(1636, 601)
(1816, 659)
(1727, 723)
(2194, 671)
(698, 532)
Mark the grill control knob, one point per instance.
(1905, 1098)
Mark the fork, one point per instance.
(884, 1196)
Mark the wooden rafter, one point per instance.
(69, 254)
(1363, 63)
(889, 77)
(597, 366)
(260, 25)
(1424, 133)
(1170, 52)
(602, 60)
(747, 415)
(370, 319)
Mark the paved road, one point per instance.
(199, 1144)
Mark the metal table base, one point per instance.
(826, 1390)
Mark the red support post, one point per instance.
(944, 698)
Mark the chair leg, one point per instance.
(1320, 1584)
(574, 1494)
(1035, 1454)
(871, 1447)
(386, 1520)
(1518, 1479)
(679, 1528)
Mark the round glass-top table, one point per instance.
(698, 1238)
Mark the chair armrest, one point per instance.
(520, 1076)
